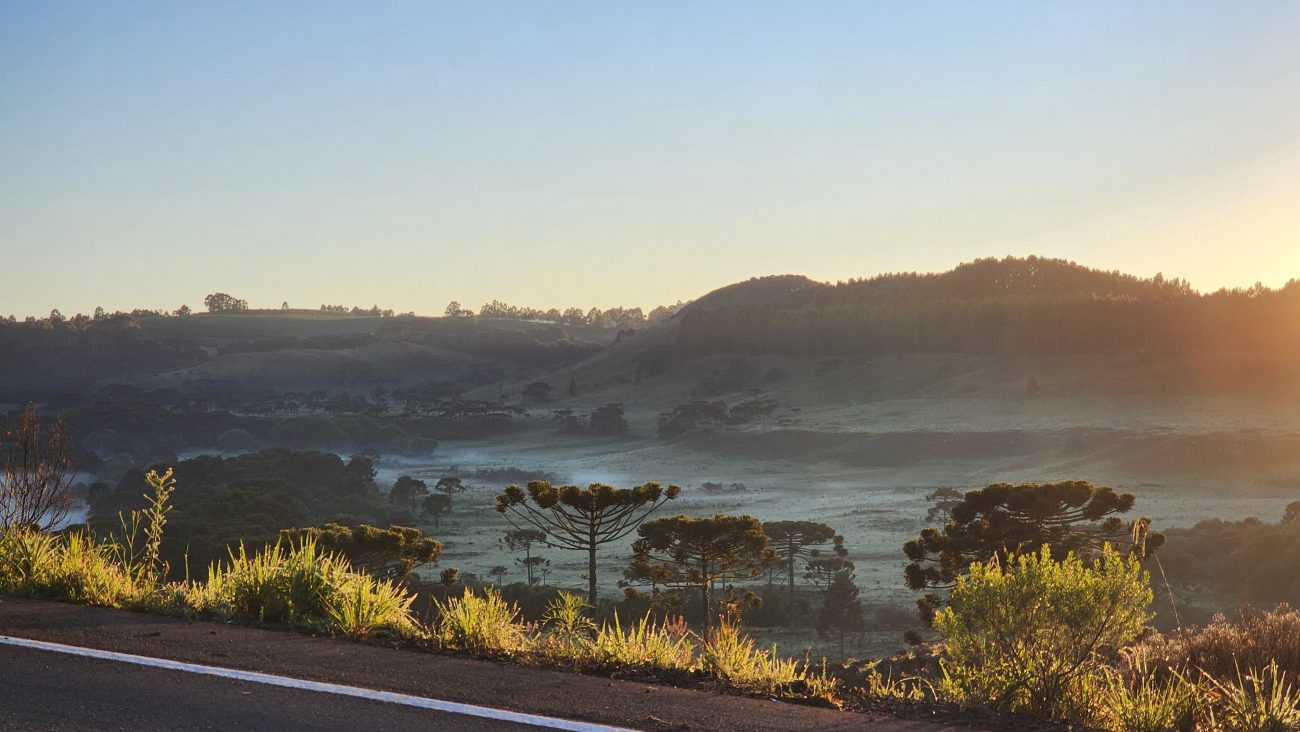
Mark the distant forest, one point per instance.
(1010, 306)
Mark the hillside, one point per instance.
(1010, 306)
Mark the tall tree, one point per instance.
(1292, 513)
(582, 519)
(408, 491)
(687, 552)
(220, 302)
(448, 486)
(524, 540)
(821, 570)
(37, 475)
(1002, 519)
(942, 501)
(841, 609)
(794, 541)
(434, 507)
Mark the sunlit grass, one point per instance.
(69, 567)
(645, 643)
(484, 624)
(300, 585)
(1263, 700)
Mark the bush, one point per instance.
(1028, 636)
(1256, 640)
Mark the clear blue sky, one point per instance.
(630, 153)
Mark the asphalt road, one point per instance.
(40, 690)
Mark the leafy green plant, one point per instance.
(138, 550)
(1025, 636)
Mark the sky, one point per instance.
(625, 153)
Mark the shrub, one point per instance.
(1026, 637)
(1257, 639)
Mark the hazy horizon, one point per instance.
(588, 154)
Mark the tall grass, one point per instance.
(1143, 698)
(486, 624)
(732, 656)
(300, 585)
(662, 646)
(67, 567)
(368, 606)
(1261, 701)
(567, 630)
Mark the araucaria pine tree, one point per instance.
(582, 519)
(687, 552)
(794, 541)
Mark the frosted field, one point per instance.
(876, 509)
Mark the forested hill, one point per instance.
(991, 306)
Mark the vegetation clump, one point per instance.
(1002, 519)
(1025, 633)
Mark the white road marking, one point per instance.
(470, 710)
